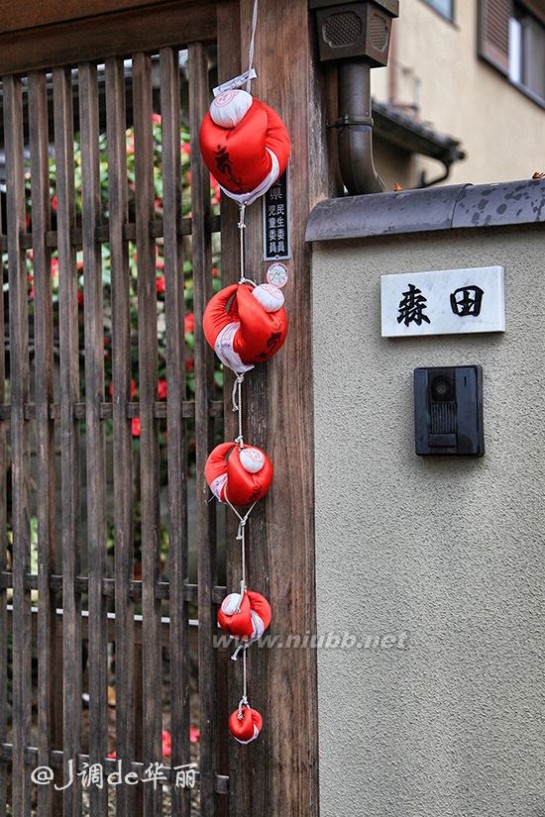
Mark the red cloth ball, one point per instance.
(240, 330)
(252, 618)
(228, 479)
(245, 724)
(249, 156)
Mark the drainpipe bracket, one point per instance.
(351, 121)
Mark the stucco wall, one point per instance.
(394, 166)
(461, 95)
(445, 718)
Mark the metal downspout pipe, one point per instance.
(355, 128)
(355, 34)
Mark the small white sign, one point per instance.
(443, 302)
(236, 82)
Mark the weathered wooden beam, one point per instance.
(131, 410)
(95, 443)
(123, 31)
(20, 438)
(123, 477)
(69, 426)
(204, 431)
(177, 436)
(49, 699)
(32, 581)
(149, 449)
(21, 16)
(212, 225)
(278, 776)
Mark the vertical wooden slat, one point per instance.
(3, 552)
(95, 456)
(149, 454)
(45, 431)
(20, 440)
(205, 512)
(69, 390)
(177, 483)
(123, 499)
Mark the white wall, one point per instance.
(444, 554)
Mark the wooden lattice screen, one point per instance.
(71, 614)
(73, 617)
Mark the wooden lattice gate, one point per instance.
(96, 460)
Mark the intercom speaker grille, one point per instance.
(342, 29)
(443, 418)
(378, 32)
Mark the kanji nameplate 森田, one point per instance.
(443, 302)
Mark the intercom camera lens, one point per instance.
(442, 389)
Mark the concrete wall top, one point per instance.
(440, 208)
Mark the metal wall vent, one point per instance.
(342, 29)
(378, 32)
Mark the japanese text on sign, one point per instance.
(276, 236)
(443, 302)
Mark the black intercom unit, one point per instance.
(448, 408)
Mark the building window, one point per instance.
(512, 38)
(527, 51)
(444, 7)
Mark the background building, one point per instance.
(471, 71)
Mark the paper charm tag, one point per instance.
(236, 82)
(277, 274)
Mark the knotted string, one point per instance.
(236, 398)
(241, 227)
(244, 700)
(242, 539)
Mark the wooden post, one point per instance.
(278, 775)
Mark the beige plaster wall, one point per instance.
(394, 166)
(436, 565)
(502, 131)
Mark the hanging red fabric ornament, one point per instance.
(238, 475)
(246, 617)
(244, 144)
(245, 724)
(245, 325)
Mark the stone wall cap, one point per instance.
(426, 210)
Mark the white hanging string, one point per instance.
(244, 700)
(236, 398)
(252, 45)
(242, 226)
(241, 537)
